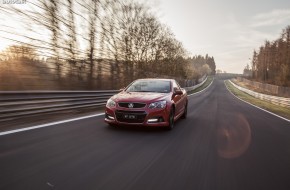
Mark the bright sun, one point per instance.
(4, 44)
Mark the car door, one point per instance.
(177, 99)
(183, 98)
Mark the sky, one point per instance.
(228, 30)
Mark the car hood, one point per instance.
(140, 97)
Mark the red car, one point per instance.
(148, 102)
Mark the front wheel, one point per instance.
(171, 119)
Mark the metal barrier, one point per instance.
(22, 103)
(195, 86)
(275, 90)
(285, 102)
(25, 103)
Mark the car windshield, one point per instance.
(158, 86)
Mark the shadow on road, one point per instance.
(144, 129)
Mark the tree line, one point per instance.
(271, 63)
(124, 34)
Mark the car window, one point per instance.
(149, 86)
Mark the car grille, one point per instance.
(123, 116)
(135, 105)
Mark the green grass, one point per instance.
(207, 82)
(279, 110)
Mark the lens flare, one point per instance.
(233, 137)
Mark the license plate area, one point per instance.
(125, 116)
(129, 116)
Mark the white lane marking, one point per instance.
(257, 106)
(49, 124)
(68, 120)
(201, 90)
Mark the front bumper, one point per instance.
(143, 117)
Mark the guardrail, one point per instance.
(275, 90)
(285, 102)
(24, 103)
(195, 86)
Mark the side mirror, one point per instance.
(177, 91)
(121, 89)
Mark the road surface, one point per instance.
(223, 144)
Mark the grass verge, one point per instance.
(207, 82)
(279, 110)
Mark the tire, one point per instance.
(184, 115)
(171, 119)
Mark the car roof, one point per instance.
(162, 79)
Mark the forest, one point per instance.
(271, 62)
(117, 40)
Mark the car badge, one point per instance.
(130, 105)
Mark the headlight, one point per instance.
(160, 104)
(111, 103)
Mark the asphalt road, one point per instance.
(223, 144)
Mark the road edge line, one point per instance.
(202, 89)
(257, 106)
(48, 124)
(70, 120)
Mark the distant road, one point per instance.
(223, 144)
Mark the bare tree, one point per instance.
(95, 39)
(271, 63)
(72, 32)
